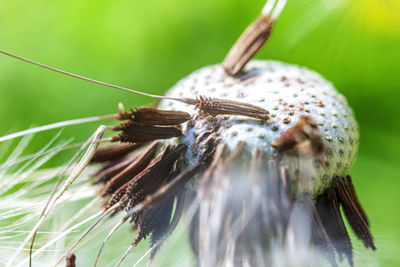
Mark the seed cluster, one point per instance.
(267, 140)
(287, 92)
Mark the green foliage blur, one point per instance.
(150, 45)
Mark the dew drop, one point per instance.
(327, 164)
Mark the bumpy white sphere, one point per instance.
(287, 92)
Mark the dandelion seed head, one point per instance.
(288, 90)
(266, 147)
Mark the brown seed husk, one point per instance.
(154, 116)
(303, 139)
(113, 152)
(319, 234)
(328, 208)
(353, 210)
(137, 133)
(131, 170)
(215, 106)
(249, 43)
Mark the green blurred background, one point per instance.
(150, 45)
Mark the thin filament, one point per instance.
(55, 126)
(88, 79)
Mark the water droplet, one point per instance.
(327, 164)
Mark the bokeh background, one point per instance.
(150, 45)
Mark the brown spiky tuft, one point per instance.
(354, 212)
(113, 152)
(328, 208)
(146, 182)
(155, 175)
(215, 106)
(110, 169)
(155, 190)
(330, 229)
(131, 170)
(148, 124)
(319, 234)
(153, 116)
(132, 132)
